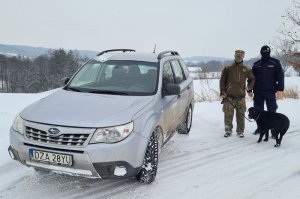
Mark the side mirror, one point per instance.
(172, 89)
(65, 80)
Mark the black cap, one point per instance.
(265, 51)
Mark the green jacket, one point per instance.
(233, 80)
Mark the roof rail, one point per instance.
(165, 53)
(113, 50)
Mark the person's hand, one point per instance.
(279, 95)
(250, 93)
(223, 96)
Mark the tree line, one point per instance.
(20, 74)
(217, 66)
(30, 75)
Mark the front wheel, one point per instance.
(149, 168)
(185, 126)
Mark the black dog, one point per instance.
(276, 122)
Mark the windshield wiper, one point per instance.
(73, 89)
(108, 92)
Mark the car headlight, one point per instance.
(18, 125)
(112, 134)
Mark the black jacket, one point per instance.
(268, 75)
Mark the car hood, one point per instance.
(76, 109)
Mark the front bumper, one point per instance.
(122, 159)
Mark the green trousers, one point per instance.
(239, 105)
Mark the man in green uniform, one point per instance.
(232, 90)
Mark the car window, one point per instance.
(179, 76)
(88, 74)
(184, 67)
(108, 71)
(118, 76)
(168, 76)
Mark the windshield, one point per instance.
(116, 78)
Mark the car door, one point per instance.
(189, 82)
(169, 103)
(183, 98)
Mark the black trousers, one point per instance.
(269, 97)
(259, 101)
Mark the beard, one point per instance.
(238, 60)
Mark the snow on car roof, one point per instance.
(137, 56)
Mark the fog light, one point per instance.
(11, 154)
(120, 171)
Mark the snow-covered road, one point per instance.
(202, 164)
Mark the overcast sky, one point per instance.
(192, 27)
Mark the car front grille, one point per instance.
(63, 139)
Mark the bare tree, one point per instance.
(294, 60)
(290, 32)
(283, 50)
(3, 64)
(22, 74)
(207, 92)
(290, 27)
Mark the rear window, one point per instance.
(185, 69)
(178, 72)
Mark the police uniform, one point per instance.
(269, 78)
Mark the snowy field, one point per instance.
(202, 165)
(203, 86)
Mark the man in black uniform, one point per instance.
(269, 81)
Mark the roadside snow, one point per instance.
(204, 86)
(202, 164)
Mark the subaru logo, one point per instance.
(53, 131)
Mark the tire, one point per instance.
(186, 125)
(150, 163)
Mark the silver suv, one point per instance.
(110, 120)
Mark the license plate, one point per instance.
(50, 158)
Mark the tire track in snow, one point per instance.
(270, 153)
(169, 167)
(63, 186)
(107, 190)
(166, 172)
(186, 154)
(207, 166)
(186, 165)
(266, 172)
(190, 159)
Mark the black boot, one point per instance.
(227, 134)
